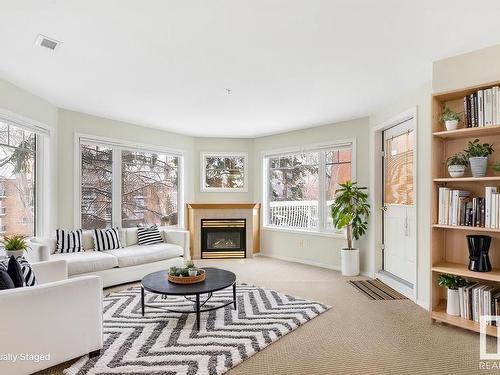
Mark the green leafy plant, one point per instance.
(476, 149)
(451, 281)
(183, 271)
(350, 210)
(15, 242)
(457, 159)
(448, 115)
(496, 167)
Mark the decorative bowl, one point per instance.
(187, 279)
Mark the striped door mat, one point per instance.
(376, 289)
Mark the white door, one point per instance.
(399, 224)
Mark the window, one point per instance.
(126, 187)
(18, 160)
(226, 172)
(300, 186)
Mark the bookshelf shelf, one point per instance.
(449, 251)
(469, 229)
(468, 132)
(439, 314)
(467, 179)
(462, 270)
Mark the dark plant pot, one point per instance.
(478, 253)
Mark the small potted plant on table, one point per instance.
(15, 245)
(478, 157)
(457, 164)
(449, 118)
(453, 300)
(350, 210)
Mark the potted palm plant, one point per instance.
(453, 300)
(457, 164)
(449, 118)
(478, 157)
(15, 245)
(350, 210)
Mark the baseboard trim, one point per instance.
(308, 262)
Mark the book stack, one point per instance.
(482, 108)
(456, 207)
(478, 299)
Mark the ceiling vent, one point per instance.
(46, 42)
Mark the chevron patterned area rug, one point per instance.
(168, 343)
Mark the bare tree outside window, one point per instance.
(223, 172)
(338, 171)
(97, 186)
(17, 180)
(149, 189)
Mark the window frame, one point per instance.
(117, 146)
(203, 172)
(43, 168)
(321, 148)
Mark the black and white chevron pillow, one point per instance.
(106, 239)
(68, 241)
(28, 274)
(148, 235)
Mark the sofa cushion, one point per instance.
(5, 281)
(88, 240)
(87, 261)
(131, 236)
(135, 255)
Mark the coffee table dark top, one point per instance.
(216, 279)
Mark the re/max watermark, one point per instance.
(24, 357)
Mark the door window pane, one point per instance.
(97, 186)
(294, 190)
(149, 189)
(398, 182)
(17, 180)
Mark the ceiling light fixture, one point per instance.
(47, 42)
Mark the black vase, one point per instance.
(478, 253)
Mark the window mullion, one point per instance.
(116, 199)
(321, 192)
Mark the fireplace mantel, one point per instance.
(248, 211)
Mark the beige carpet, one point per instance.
(357, 336)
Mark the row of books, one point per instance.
(482, 108)
(456, 207)
(478, 299)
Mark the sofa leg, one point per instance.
(95, 353)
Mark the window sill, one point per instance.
(307, 232)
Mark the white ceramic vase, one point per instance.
(478, 166)
(15, 253)
(350, 262)
(453, 302)
(456, 170)
(451, 124)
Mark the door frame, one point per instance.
(376, 202)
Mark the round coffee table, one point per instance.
(216, 279)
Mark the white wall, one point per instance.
(35, 109)
(421, 98)
(222, 145)
(315, 249)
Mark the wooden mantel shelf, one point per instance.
(222, 206)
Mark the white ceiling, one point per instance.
(290, 63)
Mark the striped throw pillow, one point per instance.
(68, 241)
(27, 271)
(148, 235)
(106, 239)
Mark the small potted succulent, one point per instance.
(457, 164)
(191, 268)
(478, 157)
(449, 118)
(15, 245)
(453, 299)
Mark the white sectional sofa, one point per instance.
(130, 263)
(57, 320)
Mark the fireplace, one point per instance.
(223, 238)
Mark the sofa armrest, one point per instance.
(39, 251)
(49, 271)
(62, 320)
(178, 237)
